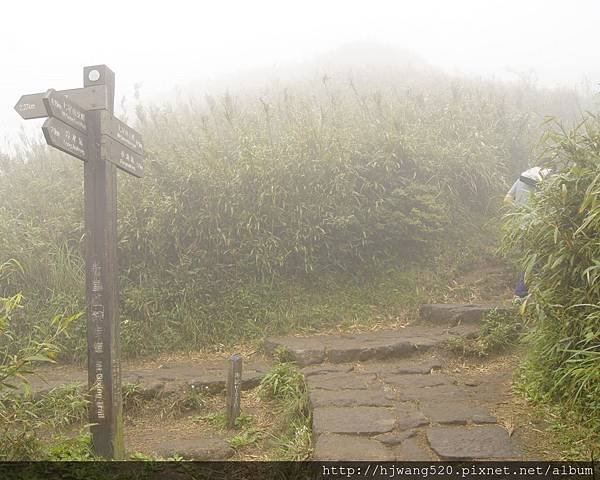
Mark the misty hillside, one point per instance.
(328, 199)
(324, 174)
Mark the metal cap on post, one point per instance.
(101, 75)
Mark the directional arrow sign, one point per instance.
(60, 135)
(67, 111)
(91, 98)
(122, 133)
(31, 106)
(123, 157)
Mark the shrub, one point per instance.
(556, 237)
(243, 191)
(21, 418)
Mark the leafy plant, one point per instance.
(245, 438)
(244, 195)
(62, 406)
(286, 386)
(75, 448)
(21, 418)
(555, 238)
(216, 419)
(498, 331)
(195, 399)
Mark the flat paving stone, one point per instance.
(409, 417)
(454, 314)
(411, 450)
(302, 350)
(207, 376)
(370, 348)
(483, 419)
(395, 438)
(441, 393)
(350, 398)
(353, 420)
(452, 413)
(201, 448)
(423, 368)
(481, 442)
(405, 366)
(382, 344)
(327, 368)
(340, 381)
(348, 447)
(413, 381)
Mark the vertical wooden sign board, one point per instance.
(104, 365)
(81, 123)
(234, 389)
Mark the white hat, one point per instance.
(536, 173)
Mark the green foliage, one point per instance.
(76, 448)
(216, 419)
(556, 239)
(22, 418)
(498, 332)
(286, 386)
(244, 193)
(245, 438)
(195, 399)
(244, 420)
(61, 406)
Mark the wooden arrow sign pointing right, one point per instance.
(123, 157)
(122, 133)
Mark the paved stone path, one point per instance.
(382, 396)
(151, 381)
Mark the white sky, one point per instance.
(45, 44)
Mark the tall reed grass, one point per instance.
(246, 193)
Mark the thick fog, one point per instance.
(163, 45)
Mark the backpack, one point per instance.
(529, 181)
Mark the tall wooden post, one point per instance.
(81, 123)
(102, 302)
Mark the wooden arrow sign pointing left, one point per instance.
(67, 111)
(90, 98)
(31, 106)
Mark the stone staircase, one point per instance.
(386, 395)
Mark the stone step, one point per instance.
(209, 377)
(457, 314)
(406, 409)
(383, 344)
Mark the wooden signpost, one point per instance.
(234, 389)
(81, 122)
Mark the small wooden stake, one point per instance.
(234, 389)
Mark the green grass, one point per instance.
(247, 437)
(249, 199)
(555, 237)
(76, 448)
(573, 435)
(285, 386)
(498, 332)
